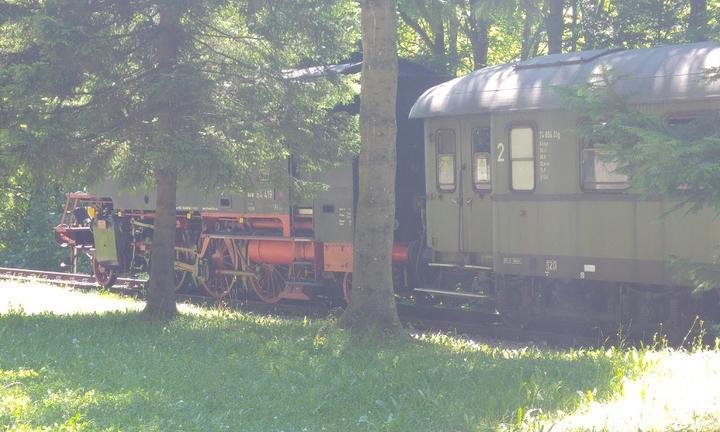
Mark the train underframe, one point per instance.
(529, 301)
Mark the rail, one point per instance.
(418, 318)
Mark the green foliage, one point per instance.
(82, 78)
(443, 35)
(26, 221)
(440, 34)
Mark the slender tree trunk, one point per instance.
(38, 239)
(535, 42)
(373, 305)
(161, 291)
(433, 15)
(452, 42)
(698, 21)
(161, 288)
(480, 42)
(526, 34)
(555, 25)
(574, 30)
(439, 48)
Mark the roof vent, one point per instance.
(566, 59)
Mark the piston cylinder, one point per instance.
(280, 252)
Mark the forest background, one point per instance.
(449, 36)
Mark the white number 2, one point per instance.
(501, 152)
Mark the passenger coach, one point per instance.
(516, 197)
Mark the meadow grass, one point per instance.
(218, 370)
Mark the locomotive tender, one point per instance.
(514, 208)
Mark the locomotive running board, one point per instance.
(451, 293)
(255, 237)
(465, 266)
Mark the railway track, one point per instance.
(470, 324)
(136, 288)
(74, 280)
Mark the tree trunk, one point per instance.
(555, 25)
(452, 42)
(161, 287)
(574, 30)
(526, 34)
(698, 21)
(37, 238)
(480, 42)
(373, 304)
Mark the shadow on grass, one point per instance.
(247, 372)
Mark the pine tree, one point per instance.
(150, 91)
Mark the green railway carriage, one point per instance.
(512, 188)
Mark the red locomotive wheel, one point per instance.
(104, 276)
(270, 283)
(220, 258)
(347, 287)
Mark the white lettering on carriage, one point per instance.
(546, 137)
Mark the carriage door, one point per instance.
(443, 156)
(476, 208)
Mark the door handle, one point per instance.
(454, 200)
(468, 201)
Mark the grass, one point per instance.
(216, 370)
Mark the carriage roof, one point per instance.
(648, 75)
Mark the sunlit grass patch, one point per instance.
(14, 402)
(679, 391)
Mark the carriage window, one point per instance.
(522, 158)
(445, 147)
(481, 158)
(694, 126)
(598, 172)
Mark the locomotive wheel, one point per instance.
(270, 282)
(347, 286)
(104, 276)
(219, 257)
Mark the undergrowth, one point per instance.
(227, 371)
